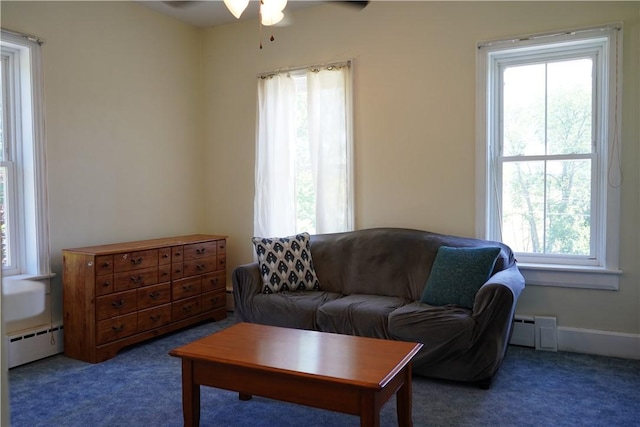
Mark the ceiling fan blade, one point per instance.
(178, 3)
(353, 3)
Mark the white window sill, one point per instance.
(567, 276)
(38, 277)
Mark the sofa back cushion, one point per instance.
(386, 261)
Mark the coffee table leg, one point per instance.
(403, 399)
(369, 411)
(190, 396)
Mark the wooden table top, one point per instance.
(359, 361)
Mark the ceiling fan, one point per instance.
(271, 11)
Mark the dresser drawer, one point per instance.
(104, 284)
(214, 281)
(164, 256)
(116, 328)
(221, 262)
(185, 288)
(177, 271)
(154, 317)
(115, 304)
(135, 279)
(164, 273)
(104, 264)
(200, 250)
(135, 260)
(212, 300)
(199, 266)
(185, 308)
(150, 296)
(177, 253)
(221, 246)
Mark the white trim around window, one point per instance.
(25, 151)
(599, 269)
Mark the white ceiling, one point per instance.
(210, 13)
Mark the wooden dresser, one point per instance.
(120, 294)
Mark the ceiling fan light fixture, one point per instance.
(271, 11)
(271, 17)
(236, 7)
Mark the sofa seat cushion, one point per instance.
(357, 314)
(295, 309)
(445, 331)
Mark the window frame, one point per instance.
(26, 150)
(263, 209)
(600, 271)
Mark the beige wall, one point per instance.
(151, 123)
(414, 66)
(123, 123)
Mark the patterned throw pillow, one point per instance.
(457, 275)
(285, 263)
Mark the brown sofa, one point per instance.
(372, 282)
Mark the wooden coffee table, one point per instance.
(342, 373)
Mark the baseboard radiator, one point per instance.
(539, 332)
(33, 344)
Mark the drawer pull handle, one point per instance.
(137, 279)
(155, 318)
(201, 251)
(200, 267)
(106, 264)
(215, 281)
(177, 254)
(187, 287)
(187, 308)
(106, 284)
(154, 295)
(178, 270)
(117, 304)
(214, 300)
(118, 328)
(165, 255)
(136, 261)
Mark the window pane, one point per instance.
(568, 223)
(524, 110)
(569, 103)
(3, 216)
(562, 225)
(523, 206)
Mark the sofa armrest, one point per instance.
(494, 308)
(510, 278)
(247, 283)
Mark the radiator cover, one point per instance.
(33, 344)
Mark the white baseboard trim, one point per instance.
(602, 343)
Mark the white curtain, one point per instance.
(274, 202)
(329, 130)
(329, 112)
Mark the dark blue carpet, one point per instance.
(142, 387)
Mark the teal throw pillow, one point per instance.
(457, 275)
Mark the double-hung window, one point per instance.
(304, 151)
(549, 153)
(23, 195)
